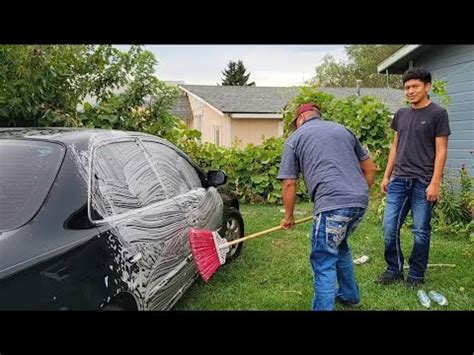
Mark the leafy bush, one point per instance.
(440, 89)
(366, 117)
(453, 215)
(252, 171)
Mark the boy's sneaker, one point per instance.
(423, 298)
(413, 282)
(389, 277)
(347, 304)
(438, 298)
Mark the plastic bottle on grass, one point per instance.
(438, 298)
(423, 298)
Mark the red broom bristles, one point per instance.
(205, 253)
(210, 250)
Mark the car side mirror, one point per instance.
(216, 177)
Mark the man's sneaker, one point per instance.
(389, 277)
(414, 282)
(347, 304)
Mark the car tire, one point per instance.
(113, 307)
(235, 230)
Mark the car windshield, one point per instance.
(27, 171)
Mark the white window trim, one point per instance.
(216, 128)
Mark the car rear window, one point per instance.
(27, 171)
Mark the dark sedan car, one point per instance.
(97, 219)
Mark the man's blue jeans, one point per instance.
(404, 194)
(331, 257)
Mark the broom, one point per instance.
(209, 249)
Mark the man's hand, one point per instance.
(432, 192)
(287, 222)
(369, 169)
(384, 185)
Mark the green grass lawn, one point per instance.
(273, 272)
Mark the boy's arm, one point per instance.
(390, 164)
(432, 191)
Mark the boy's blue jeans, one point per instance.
(404, 194)
(331, 257)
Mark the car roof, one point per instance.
(65, 135)
(82, 137)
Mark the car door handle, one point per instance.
(135, 258)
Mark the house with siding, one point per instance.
(251, 114)
(455, 65)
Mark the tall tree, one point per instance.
(362, 65)
(82, 85)
(331, 73)
(235, 75)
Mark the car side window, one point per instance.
(123, 179)
(176, 174)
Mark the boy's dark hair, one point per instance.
(417, 73)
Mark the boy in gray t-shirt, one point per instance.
(413, 176)
(338, 173)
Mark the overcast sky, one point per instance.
(269, 65)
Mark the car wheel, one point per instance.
(113, 307)
(235, 230)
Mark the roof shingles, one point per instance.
(254, 99)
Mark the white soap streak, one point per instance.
(81, 158)
(152, 197)
(177, 175)
(160, 233)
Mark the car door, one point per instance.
(120, 181)
(150, 196)
(196, 206)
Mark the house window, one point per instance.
(217, 135)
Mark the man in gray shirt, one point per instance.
(338, 173)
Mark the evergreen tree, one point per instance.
(235, 75)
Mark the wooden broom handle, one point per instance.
(259, 234)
